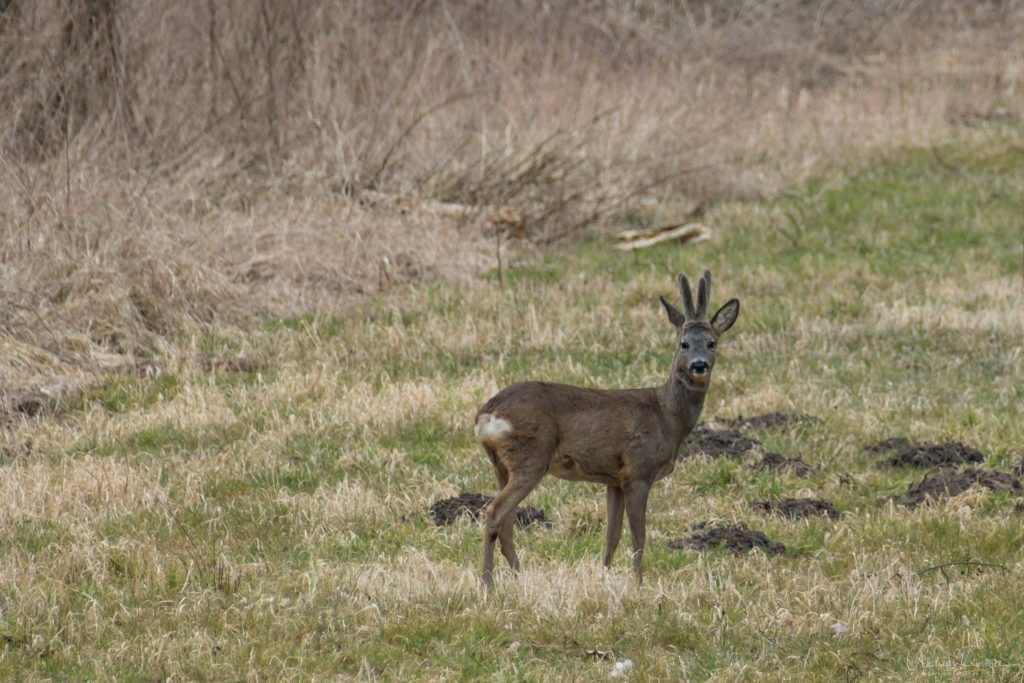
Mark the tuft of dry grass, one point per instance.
(38, 493)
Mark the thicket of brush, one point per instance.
(166, 165)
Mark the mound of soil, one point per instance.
(447, 511)
(777, 461)
(39, 400)
(774, 420)
(716, 443)
(738, 538)
(927, 455)
(952, 483)
(796, 508)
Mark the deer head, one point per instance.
(698, 337)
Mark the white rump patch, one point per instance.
(492, 428)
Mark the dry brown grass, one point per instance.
(38, 492)
(165, 166)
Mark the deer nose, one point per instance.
(699, 367)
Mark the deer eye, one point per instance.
(685, 345)
(711, 344)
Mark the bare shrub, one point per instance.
(165, 164)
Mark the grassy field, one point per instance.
(262, 514)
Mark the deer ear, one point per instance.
(674, 315)
(726, 316)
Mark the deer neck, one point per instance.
(682, 406)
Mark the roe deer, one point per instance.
(626, 439)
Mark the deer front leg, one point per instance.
(636, 508)
(615, 508)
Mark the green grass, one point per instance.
(271, 523)
(123, 394)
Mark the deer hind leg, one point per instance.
(508, 548)
(500, 516)
(615, 507)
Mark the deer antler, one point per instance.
(703, 295)
(684, 289)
